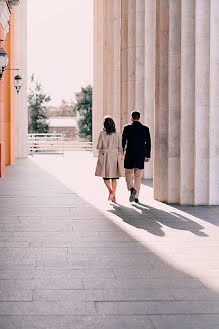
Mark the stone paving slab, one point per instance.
(38, 227)
(28, 274)
(158, 307)
(107, 295)
(142, 283)
(75, 322)
(72, 246)
(13, 295)
(47, 308)
(68, 259)
(41, 283)
(209, 321)
(69, 235)
(16, 254)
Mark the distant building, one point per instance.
(64, 125)
(63, 110)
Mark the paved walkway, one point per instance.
(69, 260)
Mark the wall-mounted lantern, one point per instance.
(3, 61)
(13, 2)
(17, 83)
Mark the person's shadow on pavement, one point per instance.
(151, 219)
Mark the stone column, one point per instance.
(131, 56)
(98, 86)
(184, 79)
(116, 62)
(124, 64)
(214, 105)
(95, 74)
(140, 57)
(21, 112)
(149, 75)
(161, 106)
(202, 60)
(106, 94)
(107, 57)
(187, 102)
(174, 101)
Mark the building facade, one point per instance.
(64, 125)
(161, 57)
(13, 106)
(157, 56)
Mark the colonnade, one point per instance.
(161, 57)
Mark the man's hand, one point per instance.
(121, 157)
(146, 159)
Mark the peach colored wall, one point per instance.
(2, 143)
(9, 98)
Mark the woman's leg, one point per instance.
(108, 185)
(114, 186)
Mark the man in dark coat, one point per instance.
(136, 143)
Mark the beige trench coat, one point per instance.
(109, 164)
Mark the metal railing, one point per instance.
(78, 146)
(45, 144)
(54, 144)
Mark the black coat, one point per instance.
(136, 143)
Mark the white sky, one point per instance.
(60, 45)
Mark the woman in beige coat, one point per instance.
(110, 164)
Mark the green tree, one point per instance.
(37, 100)
(84, 108)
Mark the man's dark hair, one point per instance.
(136, 115)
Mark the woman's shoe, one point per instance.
(110, 198)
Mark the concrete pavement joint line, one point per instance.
(53, 289)
(81, 315)
(135, 300)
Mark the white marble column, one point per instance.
(111, 55)
(20, 61)
(202, 70)
(124, 64)
(98, 87)
(161, 57)
(106, 57)
(117, 63)
(214, 105)
(106, 94)
(187, 149)
(95, 74)
(140, 57)
(161, 106)
(149, 76)
(131, 56)
(174, 106)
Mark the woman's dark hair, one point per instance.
(109, 125)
